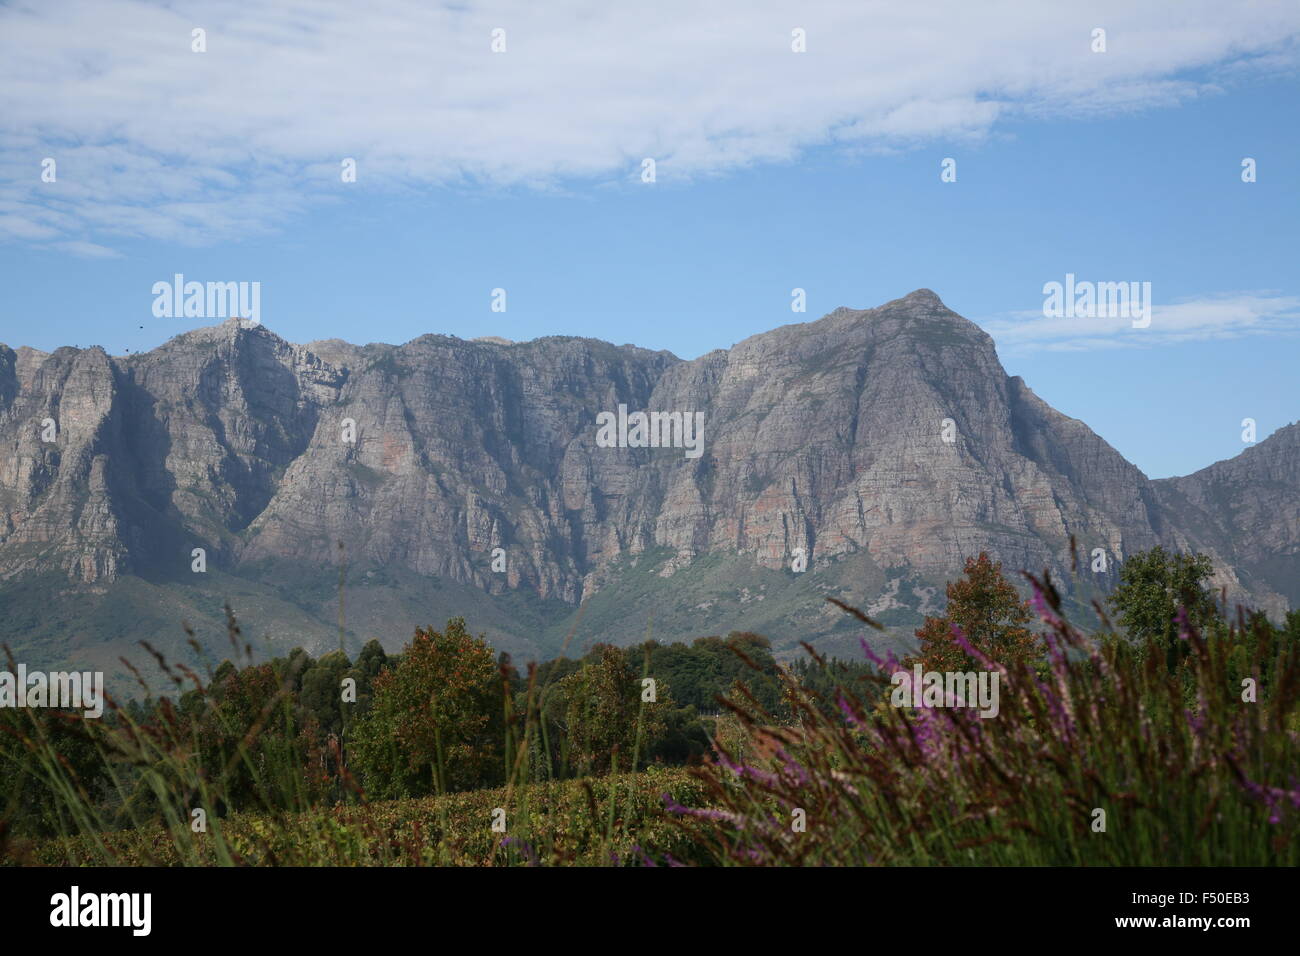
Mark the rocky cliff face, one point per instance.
(1248, 510)
(883, 446)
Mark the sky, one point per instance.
(522, 168)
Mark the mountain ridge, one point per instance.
(883, 445)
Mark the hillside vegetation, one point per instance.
(1170, 736)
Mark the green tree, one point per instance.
(248, 734)
(602, 716)
(370, 663)
(435, 722)
(36, 744)
(1153, 586)
(321, 694)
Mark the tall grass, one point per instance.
(1185, 770)
(159, 772)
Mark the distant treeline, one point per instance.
(440, 716)
(1178, 715)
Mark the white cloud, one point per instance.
(1230, 315)
(88, 250)
(155, 141)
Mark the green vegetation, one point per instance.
(988, 612)
(289, 738)
(1169, 740)
(1106, 750)
(605, 821)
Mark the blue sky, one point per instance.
(1131, 173)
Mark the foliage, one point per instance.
(987, 610)
(599, 709)
(606, 821)
(1191, 757)
(435, 724)
(1153, 587)
(1100, 761)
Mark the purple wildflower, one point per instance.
(674, 807)
(525, 849)
(847, 710)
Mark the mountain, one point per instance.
(887, 444)
(1247, 508)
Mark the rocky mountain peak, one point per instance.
(879, 447)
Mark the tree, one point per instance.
(1153, 586)
(321, 693)
(30, 804)
(248, 736)
(369, 664)
(990, 614)
(435, 721)
(602, 716)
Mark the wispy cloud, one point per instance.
(1230, 315)
(155, 141)
(89, 250)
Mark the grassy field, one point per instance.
(602, 821)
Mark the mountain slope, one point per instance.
(882, 446)
(1248, 507)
